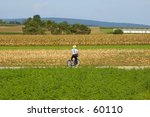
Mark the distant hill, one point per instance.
(88, 22)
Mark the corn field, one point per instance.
(101, 39)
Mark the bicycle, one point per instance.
(73, 63)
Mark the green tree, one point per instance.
(65, 28)
(37, 19)
(49, 25)
(80, 29)
(2, 22)
(34, 25)
(117, 31)
(85, 29)
(27, 21)
(52, 27)
(55, 29)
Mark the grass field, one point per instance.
(56, 81)
(83, 83)
(106, 30)
(79, 47)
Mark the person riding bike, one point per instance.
(74, 55)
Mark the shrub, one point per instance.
(117, 31)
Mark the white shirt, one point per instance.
(74, 51)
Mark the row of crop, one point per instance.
(102, 39)
(99, 57)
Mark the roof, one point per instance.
(136, 29)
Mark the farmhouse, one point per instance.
(137, 31)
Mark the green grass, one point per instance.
(84, 83)
(79, 47)
(106, 30)
(11, 33)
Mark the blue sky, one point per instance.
(129, 11)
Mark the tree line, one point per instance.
(36, 25)
(2, 22)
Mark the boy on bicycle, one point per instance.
(74, 54)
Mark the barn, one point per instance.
(136, 31)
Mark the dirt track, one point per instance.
(98, 67)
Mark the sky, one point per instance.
(122, 11)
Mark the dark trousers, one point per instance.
(75, 56)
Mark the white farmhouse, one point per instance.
(136, 31)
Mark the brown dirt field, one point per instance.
(101, 39)
(99, 57)
(11, 28)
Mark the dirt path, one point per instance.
(98, 67)
(125, 67)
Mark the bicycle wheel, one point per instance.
(69, 63)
